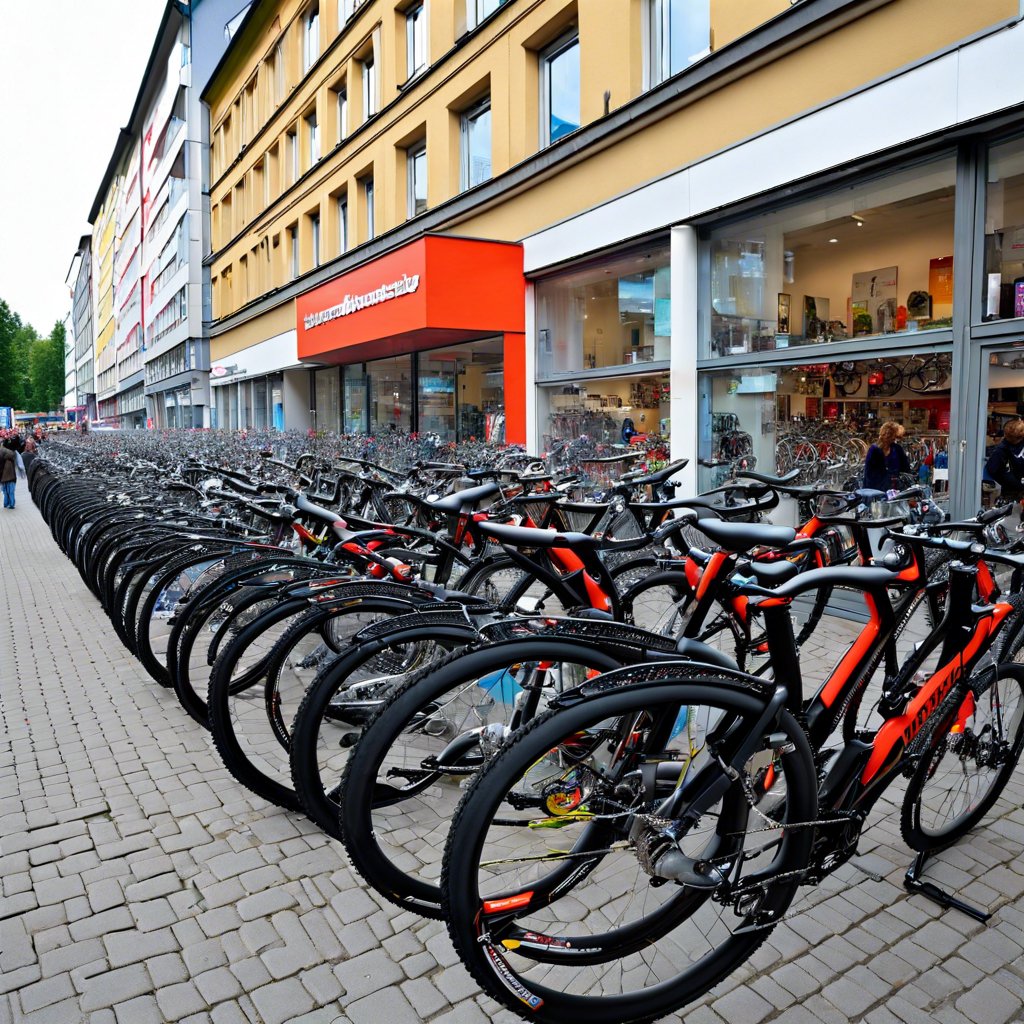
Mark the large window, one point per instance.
(311, 37)
(415, 39)
(389, 394)
(873, 258)
(613, 313)
(478, 10)
(1003, 286)
(821, 419)
(327, 395)
(680, 33)
(476, 144)
(560, 89)
(461, 391)
(416, 164)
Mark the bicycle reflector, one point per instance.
(876, 377)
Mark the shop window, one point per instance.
(356, 413)
(461, 391)
(614, 313)
(416, 184)
(389, 394)
(311, 37)
(1004, 431)
(327, 396)
(1003, 285)
(680, 34)
(476, 144)
(822, 418)
(560, 89)
(415, 39)
(873, 258)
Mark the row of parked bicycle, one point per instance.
(576, 730)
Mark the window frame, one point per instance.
(310, 36)
(293, 254)
(545, 59)
(368, 65)
(415, 16)
(412, 154)
(342, 225)
(292, 137)
(314, 225)
(369, 200)
(659, 30)
(342, 112)
(469, 115)
(476, 13)
(313, 126)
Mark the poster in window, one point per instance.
(940, 284)
(873, 294)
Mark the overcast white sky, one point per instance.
(69, 75)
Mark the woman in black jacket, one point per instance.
(1006, 463)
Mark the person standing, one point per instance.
(8, 474)
(886, 460)
(1006, 463)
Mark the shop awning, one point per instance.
(436, 291)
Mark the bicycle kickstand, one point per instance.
(913, 882)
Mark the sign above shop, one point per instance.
(435, 291)
(405, 285)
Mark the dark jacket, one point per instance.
(1006, 466)
(8, 466)
(881, 471)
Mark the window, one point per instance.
(342, 113)
(1003, 286)
(416, 39)
(416, 164)
(293, 250)
(870, 258)
(314, 139)
(343, 225)
(369, 87)
(476, 144)
(278, 74)
(481, 9)
(680, 35)
(560, 89)
(311, 37)
(314, 223)
(370, 213)
(266, 180)
(292, 147)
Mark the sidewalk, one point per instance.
(141, 884)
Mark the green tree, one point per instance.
(46, 370)
(12, 368)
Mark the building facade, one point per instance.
(732, 231)
(84, 398)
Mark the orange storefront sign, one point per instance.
(436, 291)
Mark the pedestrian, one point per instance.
(1006, 463)
(8, 473)
(886, 460)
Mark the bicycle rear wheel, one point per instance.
(969, 759)
(550, 896)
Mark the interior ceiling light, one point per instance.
(833, 240)
(858, 218)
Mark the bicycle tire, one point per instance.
(581, 971)
(996, 746)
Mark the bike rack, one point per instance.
(913, 883)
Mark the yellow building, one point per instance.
(679, 192)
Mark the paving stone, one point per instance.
(282, 1001)
(113, 987)
(46, 992)
(988, 1003)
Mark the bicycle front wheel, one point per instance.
(970, 759)
(551, 883)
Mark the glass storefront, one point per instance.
(1003, 408)
(1003, 285)
(456, 392)
(874, 258)
(256, 404)
(822, 418)
(613, 313)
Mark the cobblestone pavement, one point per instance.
(141, 884)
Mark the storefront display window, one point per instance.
(389, 394)
(1001, 478)
(607, 410)
(327, 396)
(617, 313)
(1003, 286)
(873, 258)
(821, 419)
(355, 412)
(461, 391)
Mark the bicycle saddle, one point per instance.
(772, 481)
(303, 504)
(531, 537)
(470, 497)
(694, 650)
(856, 577)
(743, 536)
(657, 477)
